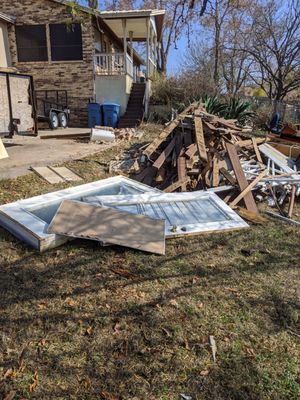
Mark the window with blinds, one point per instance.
(31, 43)
(66, 42)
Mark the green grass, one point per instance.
(89, 333)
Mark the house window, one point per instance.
(66, 42)
(31, 43)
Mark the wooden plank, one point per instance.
(3, 152)
(227, 175)
(151, 172)
(191, 151)
(248, 188)
(141, 175)
(82, 220)
(66, 174)
(175, 186)
(215, 178)
(248, 143)
(200, 138)
(240, 177)
(161, 137)
(256, 149)
(164, 154)
(47, 174)
(182, 172)
(251, 216)
(292, 201)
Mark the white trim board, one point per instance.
(28, 219)
(184, 213)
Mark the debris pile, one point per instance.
(108, 134)
(200, 151)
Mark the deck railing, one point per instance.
(113, 64)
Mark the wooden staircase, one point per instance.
(135, 108)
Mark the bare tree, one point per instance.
(274, 46)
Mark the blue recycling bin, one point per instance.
(111, 114)
(94, 114)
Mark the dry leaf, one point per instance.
(88, 331)
(200, 305)
(42, 306)
(117, 328)
(173, 302)
(205, 372)
(70, 302)
(8, 373)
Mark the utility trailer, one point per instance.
(52, 107)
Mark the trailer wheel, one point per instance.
(63, 120)
(53, 120)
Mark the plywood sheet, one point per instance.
(3, 152)
(47, 174)
(66, 174)
(81, 220)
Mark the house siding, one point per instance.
(76, 77)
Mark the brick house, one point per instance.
(88, 53)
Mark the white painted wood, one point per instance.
(184, 213)
(28, 219)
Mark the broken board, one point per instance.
(80, 220)
(240, 177)
(47, 174)
(66, 174)
(3, 152)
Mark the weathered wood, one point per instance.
(151, 173)
(248, 188)
(292, 201)
(181, 171)
(82, 220)
(251, 216)
(141, 175)
(66, 174)
(227, 175)
(167, 131)
(240, 177)
(215, 174)
(175, 186)
(191, 151)
(164, 154)
(47, 174)
(256, 149)
(200, 139)
(161, 137)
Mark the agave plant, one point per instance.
(213, 105)
(237, 109)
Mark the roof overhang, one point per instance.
(7, 18)
(136, 21)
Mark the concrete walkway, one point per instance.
(25, 151)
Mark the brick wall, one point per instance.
(74, 76)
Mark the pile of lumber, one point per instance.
(200, 151)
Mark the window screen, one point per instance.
(66, 42)
(31, 43)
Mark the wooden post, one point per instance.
(292, 202)
(148, 49)
(124, 24)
